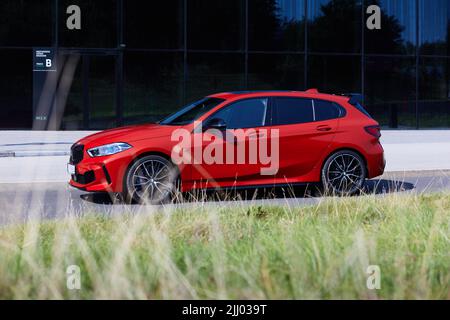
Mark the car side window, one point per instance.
(248, 113)
(326, 110)
(289, 110)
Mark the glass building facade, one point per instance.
(136, 61)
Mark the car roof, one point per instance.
(310, 93)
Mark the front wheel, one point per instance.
(151, 179)
(344, 173)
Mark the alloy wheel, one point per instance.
(344, 173)
(151, 179)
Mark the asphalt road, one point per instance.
(20, 201)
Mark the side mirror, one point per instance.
(216, 123)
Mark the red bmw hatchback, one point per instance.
(235, 139)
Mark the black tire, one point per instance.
(344, 173)
(151, 179)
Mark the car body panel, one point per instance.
(303, 149)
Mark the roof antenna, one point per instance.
(312, 90)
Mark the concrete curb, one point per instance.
(17, 154)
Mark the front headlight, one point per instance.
(108, 149)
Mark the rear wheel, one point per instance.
(344, 173)
(151, 179)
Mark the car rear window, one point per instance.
(360, 107)
(326, 110)
(292, 110)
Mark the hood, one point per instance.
(127, 134)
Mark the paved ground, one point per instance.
(19, 201)
(33, 177)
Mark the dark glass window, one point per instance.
(361, 109)
(16, 85)
(211, 73)
(276, 25)
(276, 71)
(216, 24)
(92, 90)
(153, 85)
(26, 23)
(98, 24)
(153, 25)
(398, 28)
(292, 110)
(325, 110)
(334, 25)
(434, 27)
(434, 92)
(390, 91)
(248, 113)
(334, 74)
(192, 112)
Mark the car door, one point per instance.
(244, 120)
(304, 135)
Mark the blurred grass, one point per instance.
(240, 252)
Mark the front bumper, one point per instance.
(101, 174)
(91, 177)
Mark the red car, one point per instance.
(312, 137)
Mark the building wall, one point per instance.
(136, 61)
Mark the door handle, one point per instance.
(323, 128)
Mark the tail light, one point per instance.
(374, 131)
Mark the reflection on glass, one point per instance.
(216, 24)
(16, 85)
(335, 74)
(434, 92)
(398, 31)
(102, 92)
(276, 72)
(390, 91)
(276, 25)
(98, 24)
(73, 108)
(26, 23)
(434, 25)
(153, 85)
(334, 26)
(212, 73)
(150, 24)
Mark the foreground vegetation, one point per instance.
(316, 252)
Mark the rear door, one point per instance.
(306, 129)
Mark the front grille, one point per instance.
(76, 153)
(86, 178)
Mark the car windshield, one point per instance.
(192, 112)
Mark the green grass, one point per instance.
(316, 252)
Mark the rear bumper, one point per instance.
(376, 162)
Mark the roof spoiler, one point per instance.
(354, 97)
